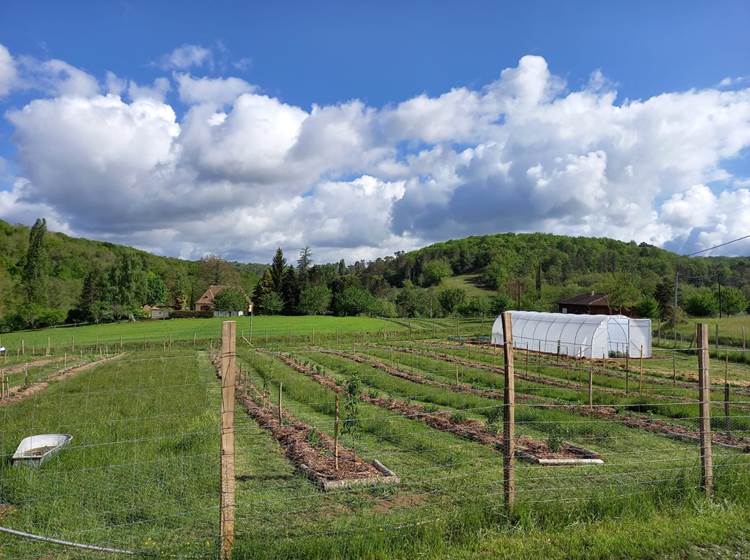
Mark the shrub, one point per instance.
(555, 440)
(648, 308)
(702, 303)
(230, 299)
(315, 299)
(451, 299)
(434, 271)
(731, 301)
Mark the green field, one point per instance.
(142, 471)
(263, 327)
(470, 283)
(730, 330)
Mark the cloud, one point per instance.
(57, 78)
(241, 172)
(8, 74)
(219, 91)
(185, 57)
(156, 92)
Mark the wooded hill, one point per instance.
(65, 279)
(68, 261)
(541, 268)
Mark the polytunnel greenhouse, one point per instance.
(584, 336)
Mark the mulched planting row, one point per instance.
(302, 444)
(20, 393)
(309, 450)
(470, 429)
(639, 421)
(609, 368)
(415, 378)
(533, 378)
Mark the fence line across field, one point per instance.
(627, 472)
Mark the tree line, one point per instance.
(49, 279)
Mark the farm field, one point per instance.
(263, 327)
(730, 330)
(142, 471)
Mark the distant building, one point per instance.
(586, 304)
(206, 301)
(156, 312)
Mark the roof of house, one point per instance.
(586, 299)
(211, 292)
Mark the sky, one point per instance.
(360, 129)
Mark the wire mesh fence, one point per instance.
(142, 472)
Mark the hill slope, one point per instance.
(71, 259)
(546, 266)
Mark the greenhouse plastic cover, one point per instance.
(584, 336)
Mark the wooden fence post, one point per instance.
(336, 435)
(228, 366)
(640, 379)
(527, 357)
(509, 422)
(704, 396)
(591, 384)
(727, 420)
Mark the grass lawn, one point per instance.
(470, 283)
(185, 329)
(730, 330)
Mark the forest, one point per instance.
(50, 279)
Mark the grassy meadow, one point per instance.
(142, 471)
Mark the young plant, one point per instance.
(555, 439)
(351, 425)
(458, 417)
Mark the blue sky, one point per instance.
(384, 54)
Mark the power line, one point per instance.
(717, 246)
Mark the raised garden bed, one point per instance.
(312, 451)
(538, 453)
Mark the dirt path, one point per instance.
(18, 394)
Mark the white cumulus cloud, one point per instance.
(240, 172)
(186, 56)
